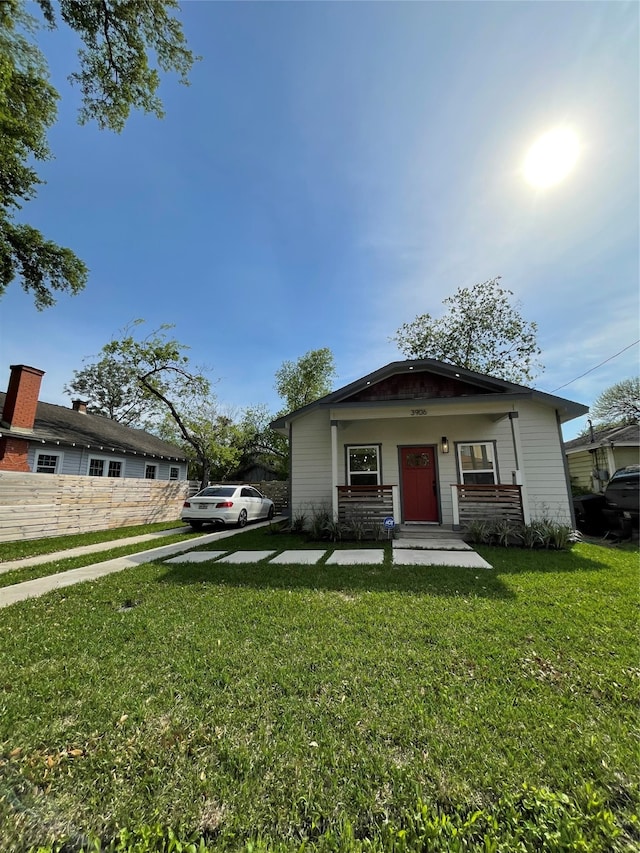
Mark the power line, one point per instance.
(611, 357)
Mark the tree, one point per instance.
(305, 380)
(113, 392)
(482, 331)
(115, 75)
(262, 444)
(220, 439)
(159, 369)
(619, 404)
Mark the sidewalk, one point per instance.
(40, 586)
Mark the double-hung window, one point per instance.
(363, 465)
(477, 463)
(150, 472)
(174, 473)
(47, 463)
(100, 467)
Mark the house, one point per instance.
(47, 439)
(593, 458)
(425, 442)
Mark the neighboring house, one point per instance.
(593, 458)
(428, 442)
(47, 439)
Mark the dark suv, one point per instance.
(622, 497)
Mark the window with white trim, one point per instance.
(174, 473)
(477, 463)
(102, 467)
(47, 463)
(150, 472)
(363, 465)
(96, 467)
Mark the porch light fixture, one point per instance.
(444, 443)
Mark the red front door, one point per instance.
(419, 493)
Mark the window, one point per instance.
(105, 467)
(150, 472)
(46, 463)
(363, 465)
(96, 467)
(174, 473)
(476, 462)
(115, 468)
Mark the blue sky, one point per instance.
(335, 169)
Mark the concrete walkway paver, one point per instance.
(197, 557)
(300, 557)
(246, 556)
(461, 559)
(357, 557)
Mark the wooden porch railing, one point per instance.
(370, 504)
(487, 502)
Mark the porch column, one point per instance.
(334, 469)
(519, 472)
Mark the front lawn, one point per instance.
(261, 706)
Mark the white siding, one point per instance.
(543, 463)
(311, 452)
(311, 463)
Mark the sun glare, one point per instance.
(551, 158)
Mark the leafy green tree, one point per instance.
(305, 380)
(619, 404)
(115, 75)
(113, 392)
(220, 439)
(158, 370)
(262, 444)
(482, 331)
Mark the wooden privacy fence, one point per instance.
(371, 504)
(38, 505)
(490, 502)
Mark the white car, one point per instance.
(226, 505)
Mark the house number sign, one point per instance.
(418, 412)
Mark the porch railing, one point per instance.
(370, 504)
(487, 502)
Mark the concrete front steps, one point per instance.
(433, 537)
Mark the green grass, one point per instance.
(64, 564)
(326, 705)
(34, 547)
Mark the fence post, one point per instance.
(455, 506)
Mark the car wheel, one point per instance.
(196, 525)
(242, 518)
(271, 512)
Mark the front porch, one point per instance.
(371, 505)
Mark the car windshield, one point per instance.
(217, 492)
(629, 473)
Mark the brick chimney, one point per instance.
(79, 406)
(19, 413)
(20, 405)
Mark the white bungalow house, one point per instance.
(425, 442)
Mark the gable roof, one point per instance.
(60, 425)
(469, 384)
(628, 435)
